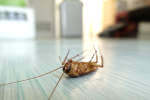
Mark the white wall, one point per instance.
(44, 11)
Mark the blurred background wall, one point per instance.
(97, 14)
(45, 17)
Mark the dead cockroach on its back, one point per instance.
(71, 68)
(76, 68)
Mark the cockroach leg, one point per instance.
(65, 57)
(96, 55)
(84, 57)
(80, 59)
(78, 54)
(102, 61)
(55, 86)
(92, 58)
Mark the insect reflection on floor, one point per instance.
(71, 68)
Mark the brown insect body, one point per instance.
(75, 68)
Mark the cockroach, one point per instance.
(71, 68)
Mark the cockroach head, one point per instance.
(67, 66)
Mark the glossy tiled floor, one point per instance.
(125, 76)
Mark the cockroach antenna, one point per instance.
(55, 86)
(31, 78)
